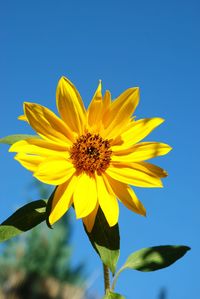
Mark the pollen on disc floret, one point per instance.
(91, 153)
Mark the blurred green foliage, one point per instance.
(42, 252)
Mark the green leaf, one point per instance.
(17, 137)
(105, 240)
(23, 219)
(155, 258)
(111, 295)
(152, 259)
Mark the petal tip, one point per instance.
(113, 223)
(62, 80)
(22, 117)
(50, 220)
(98, 93)
(12, 148)
(142, 211)
(165, 173)
(170, 148)
(25, 104)
(161, 120)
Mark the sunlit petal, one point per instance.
(121, 110)
(30, 162)
(154, 169)
(54, 171)
(95, 109)
(47, 124)
(62, 199)
(106, 109)
(129, 174)
(70, 106)
(127, 196)
(137, 131)
(36, 146)
(85, 195)
(141, 152)
(22, 117)
(107, 201)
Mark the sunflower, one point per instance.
(93, 155)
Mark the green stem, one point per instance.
(115, 278)
(106, 278)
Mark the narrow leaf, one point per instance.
(17, 137)
(111, 295)
(105, 240)
(155, 258)
(23, 219)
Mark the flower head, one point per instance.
(92, 155)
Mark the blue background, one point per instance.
(151, 44)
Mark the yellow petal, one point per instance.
(90, 219)
(54, 171)
(30, 162)
(95, 109)
(137, 131)
(70, 106)
(62, 200)
(47, 124)
(22, 117)
(127, 196)
(154, 169)
(106, 108)
(85, 195)
(121, 110)
(106, 101)
(36, 146)
(107, 201)
(126, 173)
(141, 152)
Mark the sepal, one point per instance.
(17, 137)
(105, 240)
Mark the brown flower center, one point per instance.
(91, 153)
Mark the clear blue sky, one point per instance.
(151, 44)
